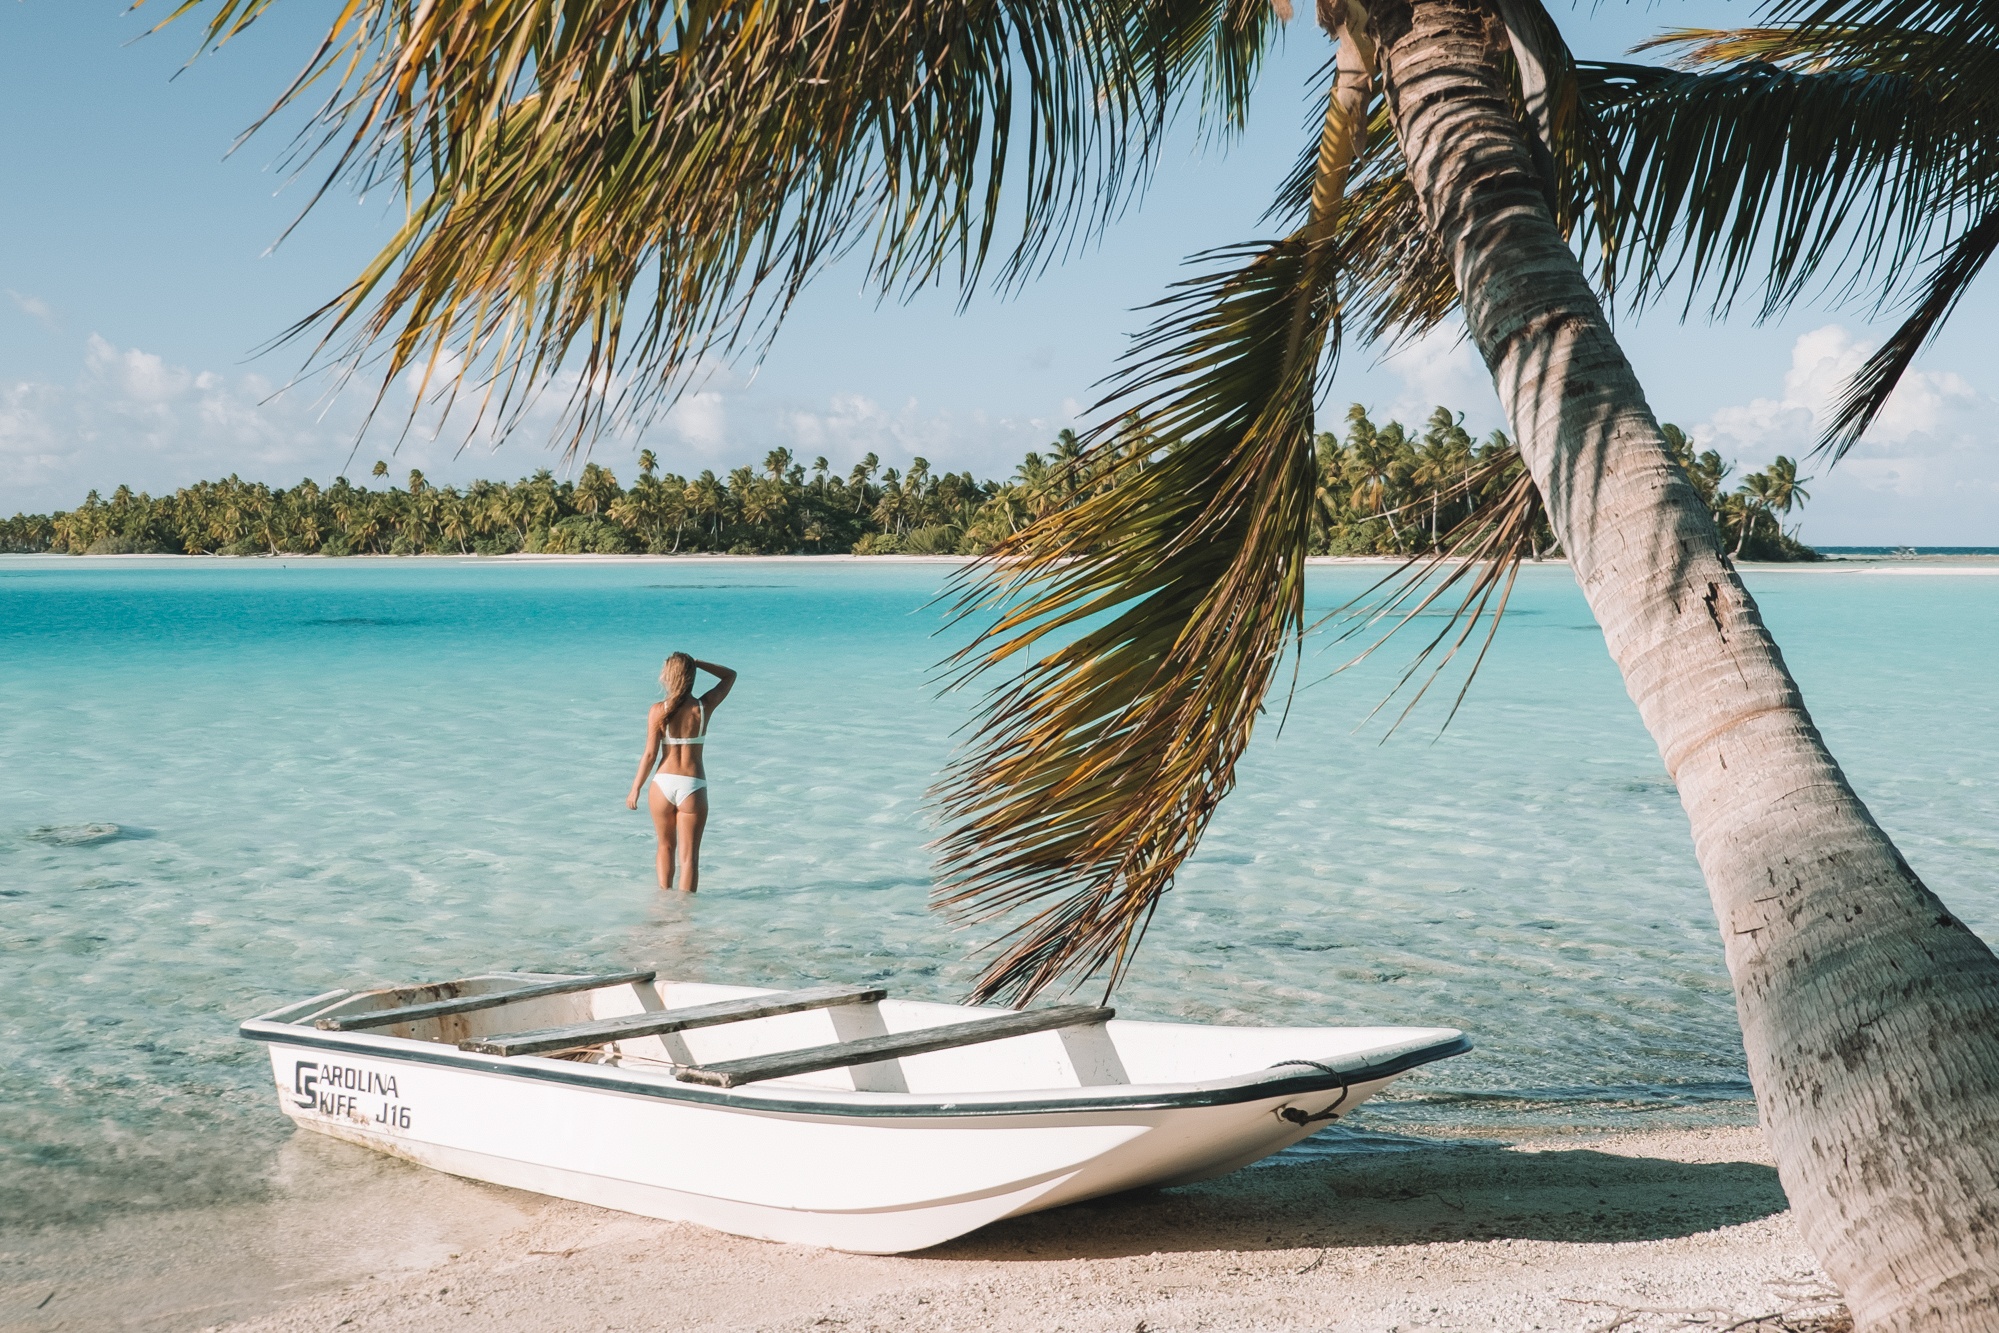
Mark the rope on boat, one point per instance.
(1298, 1117)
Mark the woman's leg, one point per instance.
(663, 824)
(692, 819)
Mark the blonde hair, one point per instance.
(676, 676)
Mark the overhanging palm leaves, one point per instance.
(1172, 592)
(1854, 145)
(612, 189)
(1170, 596)
(1853, 148)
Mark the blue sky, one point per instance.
(137, 281)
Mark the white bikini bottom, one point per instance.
(677, 787)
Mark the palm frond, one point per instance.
(1770, 173)
(1871, 387)
(1971, 19)
(1171, 592)
(1853, 149)
(611, 190)
(1159, 609)
(1482, 552)
(1866, 48)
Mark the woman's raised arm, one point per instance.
(725, 680)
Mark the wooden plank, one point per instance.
(465, 1004)
(672, 1020)
(868, 1050)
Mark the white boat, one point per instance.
(833, 1116)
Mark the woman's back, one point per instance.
(683, 735)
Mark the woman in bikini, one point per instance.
(675, 733)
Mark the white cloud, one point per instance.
(1928, 406)
(1926, 473)
(431, 379)
(138, 379)
(701, 421)
(34, 307)
(1442, 369)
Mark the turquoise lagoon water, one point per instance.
(343, 773)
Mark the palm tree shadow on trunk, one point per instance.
(1452, 1191)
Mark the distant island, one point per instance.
(1383, 490)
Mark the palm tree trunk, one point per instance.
(1870, 1014)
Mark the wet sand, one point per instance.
(1674, 1229)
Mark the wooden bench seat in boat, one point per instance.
(868, 1050)
(661, 1021)
(465, 1004)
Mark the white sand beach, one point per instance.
(1669, 1230)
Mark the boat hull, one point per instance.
(870, 1172)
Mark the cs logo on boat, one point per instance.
(305, 1083)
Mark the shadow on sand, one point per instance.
(1452, 1191)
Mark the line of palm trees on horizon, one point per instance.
(1382, 490)
(1378, 475)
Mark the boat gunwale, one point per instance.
(1323, 1075)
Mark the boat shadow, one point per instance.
(1445, 1191)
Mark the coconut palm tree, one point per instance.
(1375, 467)
(540, 506)
(858, 479)
(708, 498)
(1752, 499)
(596, 488)
(766, 507)
(1443, 458)
(1706, 470)
(1787, 489)
(455, 520)
(570, 165)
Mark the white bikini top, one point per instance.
(699, 712)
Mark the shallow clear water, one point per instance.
(340, 773)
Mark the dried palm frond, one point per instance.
(1159, 608)
(1170, 593)
(1395, 280)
